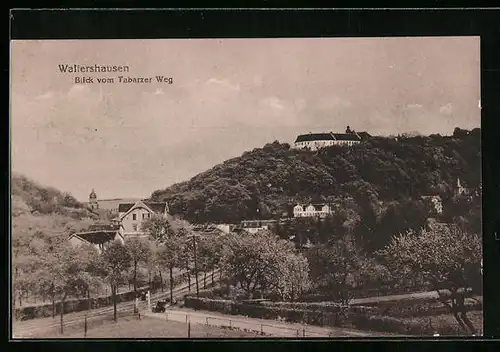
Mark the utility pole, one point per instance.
(195, 266)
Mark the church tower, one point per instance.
(93, 201)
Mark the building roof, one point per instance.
(157, 207)
(364, 135)
(355, 136)
(316, 205)
(103, 227)
(96, 237)
(347, 137)
(124, 207)
(314, 137)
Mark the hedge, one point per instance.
(417, 307)
(366, 318)
(74, 305)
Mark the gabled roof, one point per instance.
(96, 237)
(315, 205)
(124, 207)
(314, 137)
(158, 207)
(155, 207)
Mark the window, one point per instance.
(143, 216)
(134, 226)
(134, 216)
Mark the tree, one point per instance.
(140, 252)
(259, 262)
(115, 262)
(158, 227)
(169, 236)
(335, 266)
(209, 253)
(293, 279)
(448, 258)
(65, 270)
(169, 256)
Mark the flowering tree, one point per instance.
(65, 270)
(262, 262)
(448, 258)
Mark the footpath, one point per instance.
(370, 300)
(268, 327)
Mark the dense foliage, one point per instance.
(377, 187)
(264, 183)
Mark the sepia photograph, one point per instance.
(246, 188)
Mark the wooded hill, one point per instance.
(28, 196)
(44, 212)
(273, 177)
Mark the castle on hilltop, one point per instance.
(315, 141)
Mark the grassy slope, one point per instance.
(131, 327)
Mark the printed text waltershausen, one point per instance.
(74, 68)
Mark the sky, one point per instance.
(228, 96)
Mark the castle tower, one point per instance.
(93, 200)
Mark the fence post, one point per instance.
(207, 320)
(303, 332)
(186, 318)
(85, 333)
(262, 329)
(298, 333)
(189, 329)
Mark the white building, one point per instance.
(315, 141)
(132, 215)
(312, 210)
(435, 202)
(254, 226)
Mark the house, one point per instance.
(214, 228)
(97, 235)
(312, 210)
(132, 215)
(254, 226)
(461, 190)
(315, 141)
(435, 203)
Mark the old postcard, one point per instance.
(246, 188)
